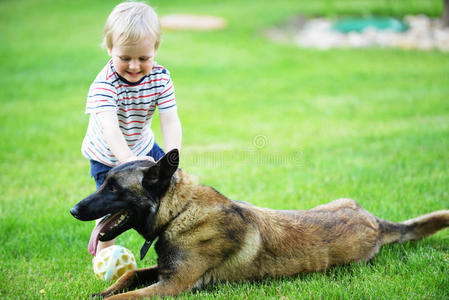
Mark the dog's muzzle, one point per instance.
(75, 212)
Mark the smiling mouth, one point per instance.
(134, 74)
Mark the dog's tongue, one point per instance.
(93, 242)
(107, 222)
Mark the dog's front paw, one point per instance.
(100, 295)
(96, 296)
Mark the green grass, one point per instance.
(275, 125)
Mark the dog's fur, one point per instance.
(204, 237)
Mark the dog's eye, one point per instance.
(113, 188)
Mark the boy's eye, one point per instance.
(144, 58)
(124, 58)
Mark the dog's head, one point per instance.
(129, 198)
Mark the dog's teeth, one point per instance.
(102, 233)
(122, 217)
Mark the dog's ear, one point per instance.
(157, 178)
(168, 164)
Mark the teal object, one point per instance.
(360, 24)
(110, 270)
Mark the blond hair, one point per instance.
(130, 22)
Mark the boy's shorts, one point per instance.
(98, 170)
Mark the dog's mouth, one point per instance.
(108, 228)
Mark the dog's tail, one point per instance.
(413, 229)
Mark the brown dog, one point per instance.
(204, 237)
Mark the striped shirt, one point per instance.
(134, 104)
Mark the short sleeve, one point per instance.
(102, 96)
(166, 100)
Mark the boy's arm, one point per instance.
(171, 130)
(114, 137)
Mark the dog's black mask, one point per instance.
(129, 198)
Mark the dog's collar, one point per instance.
(144, 249)
(147, 244)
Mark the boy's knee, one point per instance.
(99, 179)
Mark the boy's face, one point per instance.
(133, 61)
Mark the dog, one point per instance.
(204, 237)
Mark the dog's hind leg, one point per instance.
(130, 280)
(413, 229)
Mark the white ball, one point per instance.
(112, 262)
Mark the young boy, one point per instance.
(124, 95)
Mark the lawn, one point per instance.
(275, 125)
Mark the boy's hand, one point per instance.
(133, 158)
